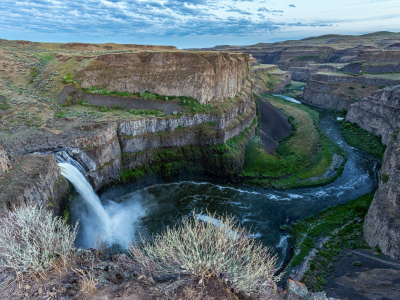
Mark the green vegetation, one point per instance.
(34, 74)
(217, 160)
(140, 112)
(360, 138)
(385, 178)
(68, 79)
(301, 158)
(342, 225)
(189, 104)
(45, 56)
(295, 89)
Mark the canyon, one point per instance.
(126, 113)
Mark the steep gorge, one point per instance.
(125, 146)
(380, 115)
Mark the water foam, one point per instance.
(112, 223)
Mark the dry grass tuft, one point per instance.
(211, 247)
(87, 282)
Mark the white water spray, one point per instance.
(113, 223)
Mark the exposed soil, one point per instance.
(274, 125)
(128, 103)
(377, 278)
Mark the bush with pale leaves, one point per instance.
(32, 238)
(209, 246)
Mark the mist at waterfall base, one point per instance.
(132, 210)
(104, 222)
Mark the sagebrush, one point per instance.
(32, 238)
(209, 246)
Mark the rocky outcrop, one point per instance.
(270, 79)
(34, 179)
(205, 76)
(100, 146)
(5, 164)
(380, 114)
(298, 291)
(338, 91)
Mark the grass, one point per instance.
(343, 224)
(362, 139)
(210, 246)
(45, 56)
(304, 154)
(189, 104)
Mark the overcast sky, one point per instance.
(192, 23)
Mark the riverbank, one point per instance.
(305, 158)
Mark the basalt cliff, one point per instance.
(205, 76)
(160, 112)
(380, 114)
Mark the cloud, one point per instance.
(240, 11)
(151, 19)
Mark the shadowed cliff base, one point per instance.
(274, 125)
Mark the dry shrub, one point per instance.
(212, 247)
(32, 239)
(87, 282)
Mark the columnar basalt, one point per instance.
(205, 76)
(380, 114)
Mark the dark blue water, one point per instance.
(262, 210)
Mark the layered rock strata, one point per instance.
(205, 76)
(380, 115)
(338, 91)
(102, 144)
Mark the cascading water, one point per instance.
(64, 157)
(111, 223)
(95, 208)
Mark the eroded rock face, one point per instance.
(205, 76)
(338, 91)
(270, 79)
(34, 179)
(380, 114)
(102, 145)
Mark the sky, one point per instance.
(192, 23)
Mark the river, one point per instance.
(153, 208)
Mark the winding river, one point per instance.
(152, 209)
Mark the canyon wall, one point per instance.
(101, 146)
(205, 76)
(270, 79)
(34, 179)
(124, 145)
(338, 90)
(380, 115)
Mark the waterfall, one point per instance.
(99, 215)
(64, 157)
(100, 224)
